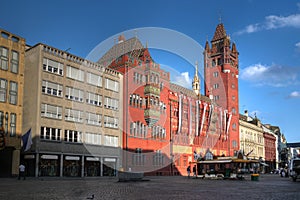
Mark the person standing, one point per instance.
(21, 171)
(194, 170)
(188, 171)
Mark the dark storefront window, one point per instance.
(91, 167)
(49, 165)
(72, 166)
(109, 167)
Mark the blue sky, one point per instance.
(266, 34)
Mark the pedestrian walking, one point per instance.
(194, 170)
(188, 169)
(21, 171)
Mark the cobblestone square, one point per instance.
(156, 187)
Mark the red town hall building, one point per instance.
(165, 126)
(221, 69)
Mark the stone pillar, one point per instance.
(101, 166)
(82, 166)
(15, 162)
(61, 165)
(37, 160)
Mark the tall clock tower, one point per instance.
(221, 70)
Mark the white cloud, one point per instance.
(298, 45)
(276, 76)
(273, 22)
(183, 79)
(252, 28)
(294, 94)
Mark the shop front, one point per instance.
(92, 166)
(29, 162)
(68, 165)
(49, 165)
(72, 166)
(109, 166)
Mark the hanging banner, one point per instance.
(191, 135)
(220, 122)
(190, 116)
(211, 109)
(197, 116)
(203, 117)
(228, 124)
(179, 113)
(225, 124)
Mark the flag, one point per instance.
(27, 140)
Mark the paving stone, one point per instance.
(158, 187)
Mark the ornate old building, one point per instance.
(146, 142)
(221, 71)
(165, 124)
(252, 137)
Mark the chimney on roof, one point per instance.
(121, 39)
(248, 118)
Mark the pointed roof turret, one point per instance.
(233, 48)
(207, 48)
(196, 81)
(196, 70)
(220, 32)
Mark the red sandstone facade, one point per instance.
(146, 122)
(164, 124)
(221, 69)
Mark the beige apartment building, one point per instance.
(73, 107)
(251, 137)
(12, 51)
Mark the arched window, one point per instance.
(234, 144)
(234, 126)
(209, 155)
(233, 111)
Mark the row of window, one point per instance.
(216, 86)
(214, 62)
(77, 74)
(219, 61)
(7, 36)
(9, 57)
(8, 93)
(139, 158)
(55, 134)
(9, 122)
(158, 132)
(250, 136)
(140, 78)
(55, 112)
(138, 101)
(217, 97)
(138, 129)
(75, 94)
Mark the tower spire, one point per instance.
(220, 17)
(196, 81)
(196, 70)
